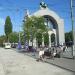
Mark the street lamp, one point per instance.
(19, 42)
(72, 20)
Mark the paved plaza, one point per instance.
(15, 63)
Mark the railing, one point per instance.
(68, 53)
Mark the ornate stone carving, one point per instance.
(43, 5)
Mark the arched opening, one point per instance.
(46, 39)
(53, 39)
(53, 26)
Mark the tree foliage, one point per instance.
(2, 40)
(46, 39)
(33, 26)
(68, 36)
(8, 26)
(13, 37)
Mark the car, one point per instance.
(14, 45)
(7, 45)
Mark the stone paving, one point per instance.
(14, 63)
(65, 63)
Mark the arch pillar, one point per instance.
(61, 31)
(55, 39)
(34, 43)
(49, 33)
(42, 41)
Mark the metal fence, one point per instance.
(68, 53)
(74, 25)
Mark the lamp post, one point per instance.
(19, 42)
(26, 43)
(72, 21)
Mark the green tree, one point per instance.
(8, 27)
(53, 38)
(68, 36)
(39, 38)
(2, 40)
(33, 26)
(27, 27)
(46, 39)
(13, 37)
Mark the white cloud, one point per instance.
(2, 21)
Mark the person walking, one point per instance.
(41, 54)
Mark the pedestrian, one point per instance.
(41, 54)
(34, 51)
(52, 53)
(65, 48)
(61, 51)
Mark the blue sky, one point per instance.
(16, 10)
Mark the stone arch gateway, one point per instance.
(56, 21)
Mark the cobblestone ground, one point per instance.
(14, 63)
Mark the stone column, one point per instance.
(34, 42)
(42, 41)
(49, 38)
(49, 41)
(61, 31)
(30, 43)
(55, 39)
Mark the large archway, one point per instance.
(54, 23)
(53, 27)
